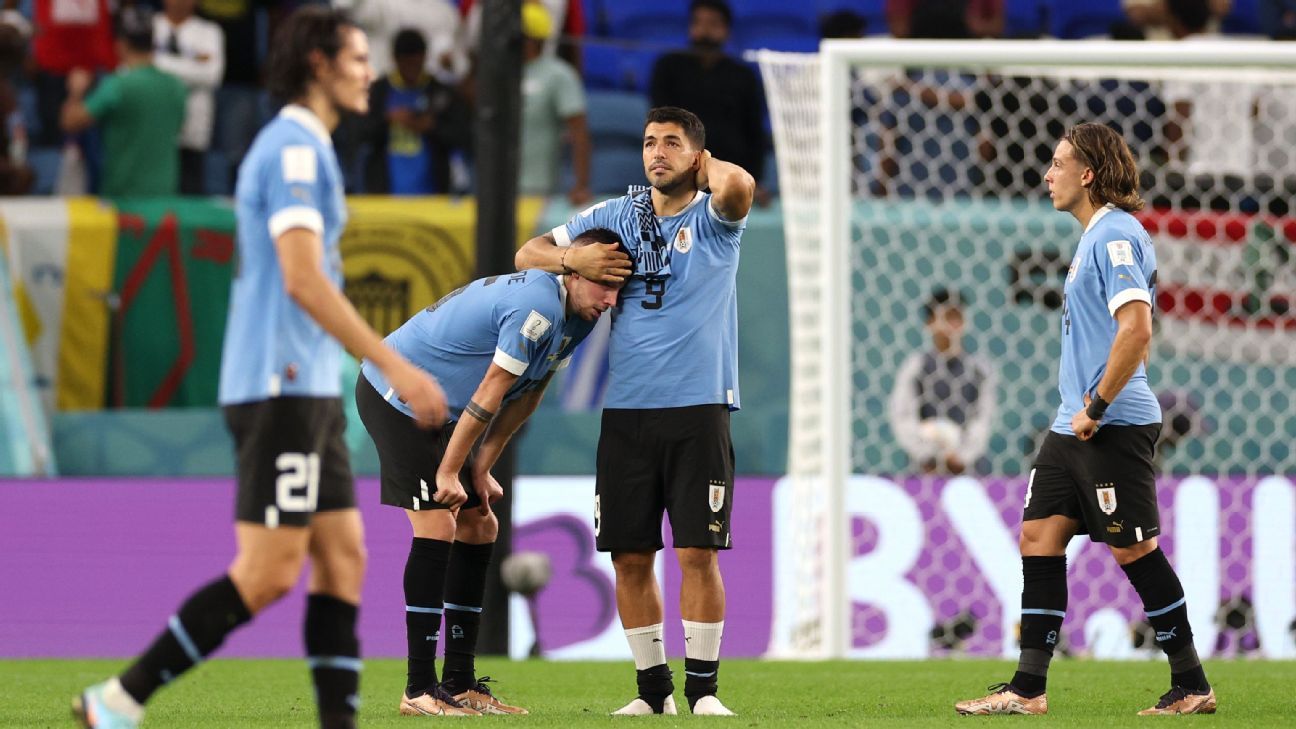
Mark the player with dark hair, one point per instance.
(280, 389)
(665, 443)
(1094, 473)
(494, 344)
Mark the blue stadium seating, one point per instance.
(613, 168)
(873, 12)
(774, 16)
(664, 19)
(616, 118)
(1025, 18)
(1069, 19)
(779, 41)
(1244, 18)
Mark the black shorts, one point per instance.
(408, 456)
(292, 459)
(677, 460)
(1107, 483)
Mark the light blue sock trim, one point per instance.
(343, 663)
(1164, 610)
(182, 637)
(699, 675)
(1038, 611)
(462, 608)
(415, 609)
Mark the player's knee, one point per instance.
(697, 560)
(634, 565)
(1134, 552)
(474, 528)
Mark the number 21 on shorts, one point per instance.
(297, 488)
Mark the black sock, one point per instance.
(1044, 602)
(1167, 610)
(655, 685)
(333, 652)
(197, 629)
(700, 679)
(465, 587)
(425, 577)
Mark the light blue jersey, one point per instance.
(518, 322)
(289, 179)
(1114, 265)
(674, 340)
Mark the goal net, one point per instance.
(912, 183)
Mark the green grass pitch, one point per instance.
(272, 693)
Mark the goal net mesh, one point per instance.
(945, 192)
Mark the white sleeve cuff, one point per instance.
(560, 236)
(298, 216)
(716, 215)
(1126, 296)
(509, 363)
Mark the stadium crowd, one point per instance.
(592, 69)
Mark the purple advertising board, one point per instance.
(95, 567)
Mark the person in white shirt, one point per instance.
(193, 50)
(437, 20)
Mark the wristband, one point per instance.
(1097, 407)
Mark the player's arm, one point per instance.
(597, 262)
(501, 431)
(732, 188)
(481, 410)
(1129, 350)
(203, 70)
(301, 251)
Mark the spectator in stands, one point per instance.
(69, 35)
(437, 20)
(415, 124)
(1150, 19)
(943, 404)
(843, 24)
(553, 106)
(1278, 19)
(141, 110)
(240, 110)
(568, 24)
(723, 91)
(16, 177)
(192, 50)
(945, 18)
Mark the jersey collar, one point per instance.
(562, 294)
(307, 118)
(1099, 214)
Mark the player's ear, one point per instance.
(1087, 177)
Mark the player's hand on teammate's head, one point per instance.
(421, 393)
(600, 262)
(449, 491)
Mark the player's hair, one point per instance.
(1116, 173)
(942, 297)
(308, 29)
(134, 26)
(408, 42)
(687, 120)
(719, 6)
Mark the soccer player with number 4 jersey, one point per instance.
(280, 388)
(1094, 473)
(673, 381)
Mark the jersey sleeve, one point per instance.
(294, 190)
(105, 97)
(524, 334)
(1121, 263)
(729, 231)
(598, 215)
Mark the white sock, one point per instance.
(647, 646)
(702, 640)
(121, 702)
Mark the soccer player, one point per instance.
(665, 443)
(494, 344)
(1094, 472)
(280, 389)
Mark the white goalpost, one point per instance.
(907, 166)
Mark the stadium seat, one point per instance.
(1025, 18)
(637, 66)
(602, 66)
(1243, 19)
(773, 17)
(799, 42)
(613, 168)
(873, 12)
(616, 117)
(637, 21)
(1073, 20)
(44, 162)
